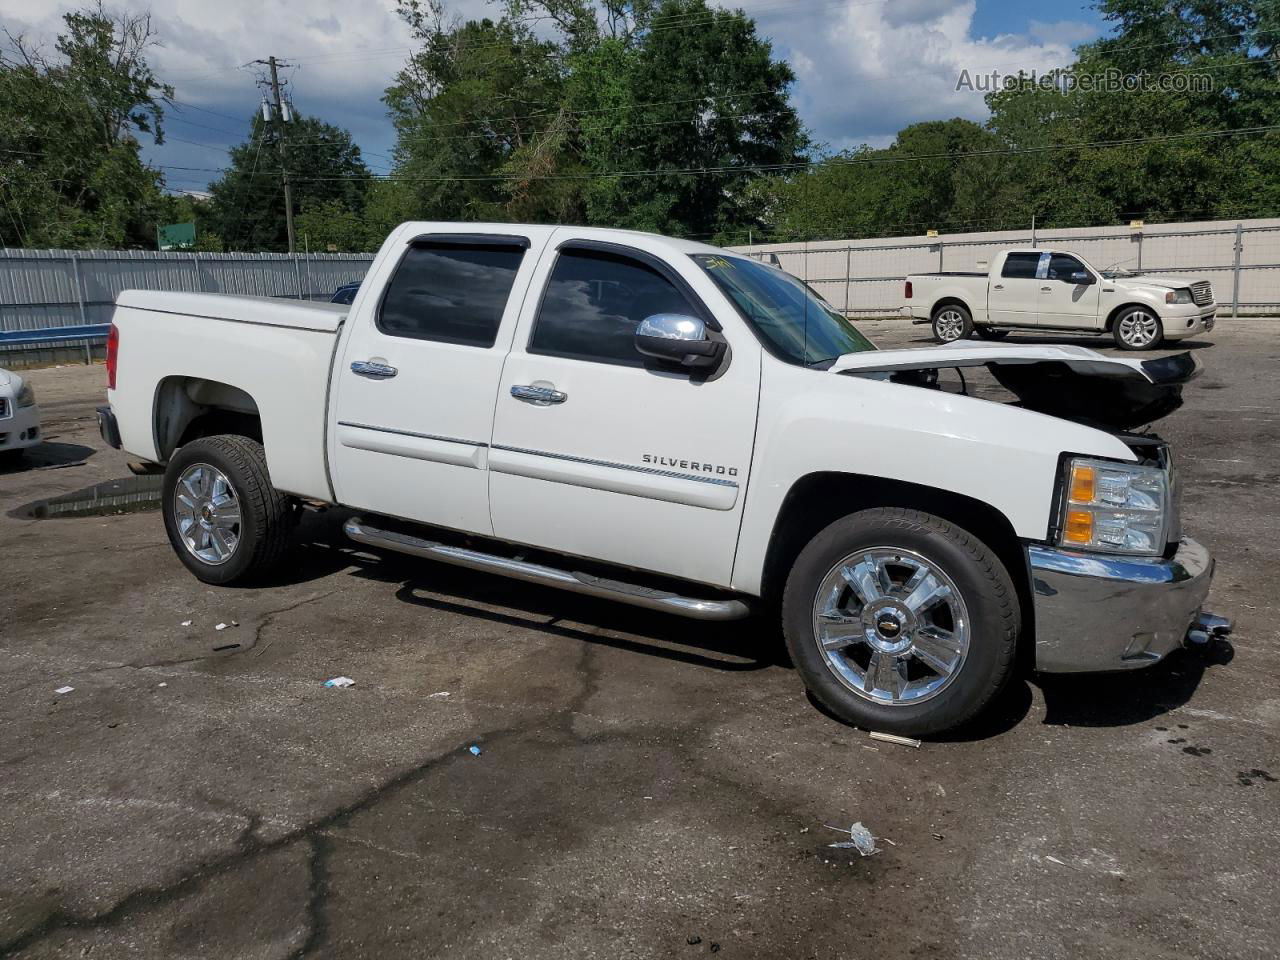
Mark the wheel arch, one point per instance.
(950, 301)
(187, 408)
(1115, 313)
(817, 499)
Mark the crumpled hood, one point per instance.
(1070, 382)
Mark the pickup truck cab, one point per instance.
(1052, 290)
(673, 426)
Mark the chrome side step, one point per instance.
(361, 532)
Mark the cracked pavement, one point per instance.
(646, 786)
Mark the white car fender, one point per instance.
(814, 422)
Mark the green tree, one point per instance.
(474, 111)
(326, 172)
(70, 170)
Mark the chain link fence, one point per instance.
(864, 277)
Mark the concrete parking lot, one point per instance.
(645, 786)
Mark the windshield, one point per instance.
(797, 324)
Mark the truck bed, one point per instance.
(181, 354)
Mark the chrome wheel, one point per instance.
(1139, 329)
(948, 325)
(891, 625)
(207, 513)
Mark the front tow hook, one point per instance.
(1206, 628)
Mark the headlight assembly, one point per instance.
(1181, 295)
(26, 396)
(1114, 507)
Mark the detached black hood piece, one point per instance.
(1073, 383)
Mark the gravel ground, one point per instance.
(646, 786)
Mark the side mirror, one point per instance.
(1082, 276)
(678, 338)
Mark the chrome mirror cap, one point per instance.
(672, 326)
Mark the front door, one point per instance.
(1068, 294)
(415, 383)
(599, 453)
(1013, 297)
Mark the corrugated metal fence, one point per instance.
(864, 277)
(40, 289)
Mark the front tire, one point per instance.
(900, 621)
(225, 521)
(951, 322)
(1137, 328)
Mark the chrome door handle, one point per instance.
(375, 371)
(539, 396)
(1046, 289)
(998, 286)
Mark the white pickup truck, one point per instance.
(1051, 290)
(673, 426)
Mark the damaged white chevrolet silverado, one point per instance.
(1051, 290)
(673, 426)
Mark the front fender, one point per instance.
(818, 422)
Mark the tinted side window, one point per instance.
(593, 304)
(450, 293)
(1020, 266)
(1061, 266)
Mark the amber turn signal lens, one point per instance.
(1079, 528)
(1082, 484)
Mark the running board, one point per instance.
(361, 532)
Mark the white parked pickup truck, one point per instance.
(669, 425)
(1050, 290)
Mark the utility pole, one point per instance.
(279, 118)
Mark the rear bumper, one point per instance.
(108, 427)
(1095, 612)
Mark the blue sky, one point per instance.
(865, 68)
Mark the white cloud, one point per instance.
(865, 70)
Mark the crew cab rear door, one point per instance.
(600, 453)
(417, 371)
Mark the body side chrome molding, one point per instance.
(411, 433)
(636, 595)
(653, 471)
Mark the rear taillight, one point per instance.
(907, 294)
(113, 352)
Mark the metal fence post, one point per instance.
(1235, 272)
(195, 262)
(297, 276)
(1140, 236)
(940, 268)
(78, 280)
(848, 278)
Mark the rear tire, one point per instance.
(226, 522)
(931, 652)
(951, 322)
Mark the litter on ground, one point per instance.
(894, 738)
(186, 623)
(64, 690)
(860, 839)
(339, 682)
(475, 751)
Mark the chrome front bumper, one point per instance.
(1099, 612)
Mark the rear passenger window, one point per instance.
(594, 302)
(1020, 266)
(451, 293)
